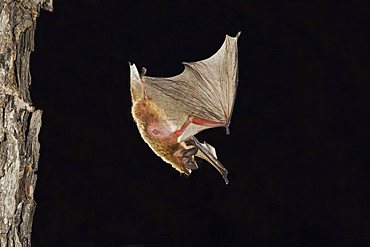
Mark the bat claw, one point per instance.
(143, 71)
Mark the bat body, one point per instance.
(169, 112)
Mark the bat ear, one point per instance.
(136, 86)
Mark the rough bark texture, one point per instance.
(20, 122)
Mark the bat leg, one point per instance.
(212, 159)
(183, 133)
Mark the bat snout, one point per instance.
(185, 160)
(189, 166)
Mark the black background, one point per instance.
(297, 154)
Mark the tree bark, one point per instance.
(20, 122)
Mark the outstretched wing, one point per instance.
(205, 89)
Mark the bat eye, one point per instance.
(155, 132)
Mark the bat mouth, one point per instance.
(187, 160)
(189, 166)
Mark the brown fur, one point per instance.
(146, 113)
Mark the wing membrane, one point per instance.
(205, 89)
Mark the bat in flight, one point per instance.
(169, 112)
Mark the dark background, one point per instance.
(297, 154)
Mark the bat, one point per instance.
(169, 112)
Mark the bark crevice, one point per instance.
(20, 122)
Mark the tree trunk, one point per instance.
(20, 122)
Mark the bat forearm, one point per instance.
(214, 161)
